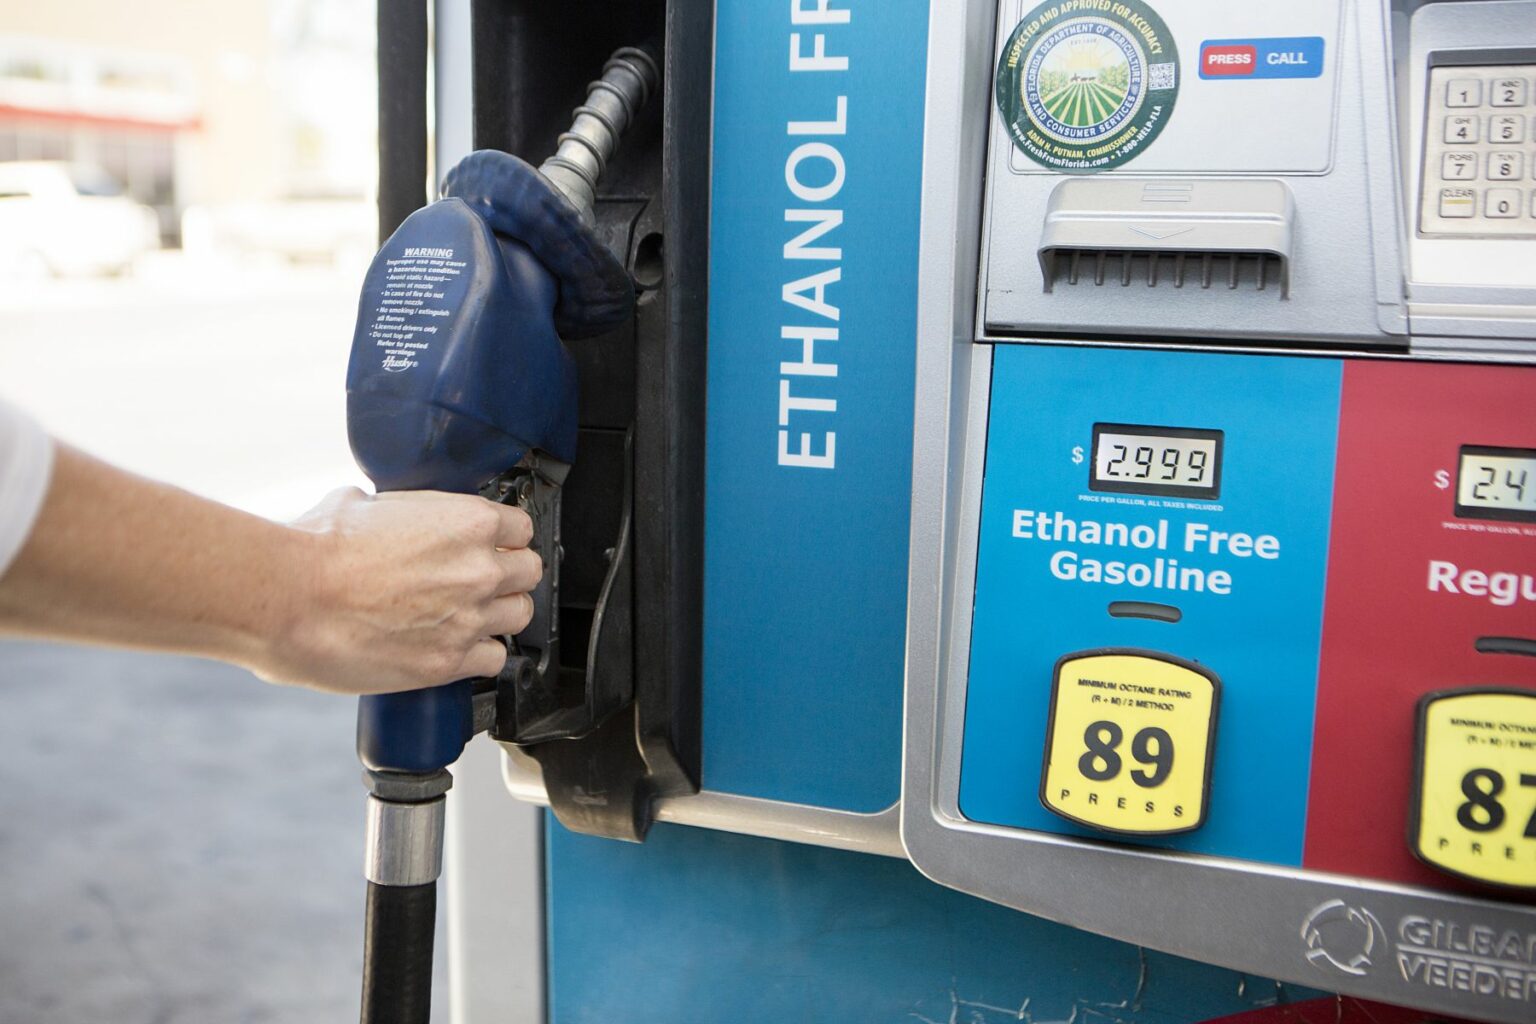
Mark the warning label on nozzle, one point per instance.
(412, 305)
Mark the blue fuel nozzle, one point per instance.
(458, 375)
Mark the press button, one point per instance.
(1460, 129)
(1503, 203)
(1506, 166)
(1458, 166)
(1458, 202)
(1507, 92)
(1464, 92)
(1506, 128)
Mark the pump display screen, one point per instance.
(1496, 483)
(1174, 461)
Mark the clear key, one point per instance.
(1458, 202)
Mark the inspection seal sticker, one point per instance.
(1085, 85)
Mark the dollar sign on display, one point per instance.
(1077, 455)
(1442, 479)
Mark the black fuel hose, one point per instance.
(397, 953)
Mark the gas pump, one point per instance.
(1084, 566)
(1242, 400)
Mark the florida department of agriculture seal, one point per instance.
(1085, 85)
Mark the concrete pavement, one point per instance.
(179, 844)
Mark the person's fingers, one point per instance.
(521, 570)
(510, 615)
(484, 659)
(515, 529)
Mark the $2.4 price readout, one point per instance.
(1474, 805)
(1129, 742)
(1496, 483)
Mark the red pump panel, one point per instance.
(1412, 587)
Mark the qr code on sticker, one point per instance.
(1162, 76)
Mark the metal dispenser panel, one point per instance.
(1230, 164)
(1222, 615)
(1469, 126)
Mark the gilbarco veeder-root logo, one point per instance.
(1084, 85)
(1430, 952)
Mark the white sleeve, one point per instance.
(26, 463)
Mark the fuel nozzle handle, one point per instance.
(486, 386)
(458, 378)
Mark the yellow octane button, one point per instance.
(1130, 740)
(1474, 801)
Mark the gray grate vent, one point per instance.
(1166, 268)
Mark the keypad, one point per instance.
(1480, 152)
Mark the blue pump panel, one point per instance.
(1251, 612)
(701, 927)
(813, 283)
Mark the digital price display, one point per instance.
(1496, 483)
(1474, 804)
(1130, 741)
(1174, 461)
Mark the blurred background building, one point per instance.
(186, 211)
(228, 111)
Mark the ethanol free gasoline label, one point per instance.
(1085, 85)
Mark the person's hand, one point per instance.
(406, 590)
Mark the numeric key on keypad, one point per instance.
(1503, 203)
(1464, 92)
(1506, 166)
(1458, 166)
(1460, 129)
(1507, 92)
(1506, 128)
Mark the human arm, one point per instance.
(361, 595)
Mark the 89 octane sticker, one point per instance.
(1129, 743)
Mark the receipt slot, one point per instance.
(1222, 620)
